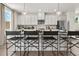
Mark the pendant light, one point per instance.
(24, 12)
(58, 12)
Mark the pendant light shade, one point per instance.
(58, 13)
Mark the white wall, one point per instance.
(72, 24)
(2, 25)
(15, 18)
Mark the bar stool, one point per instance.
(63, 43)
(13, 38)
(31, 40)
(72, 35)
(49, 40)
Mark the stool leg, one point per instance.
(70, 46)
(24, 47)
(28, 48)
(38, 48)
(52, 48)
(6, 48)
(58, 45)
(67, 47)
(42, 47)
(20, 47)
(15, 45)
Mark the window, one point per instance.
(8, 17)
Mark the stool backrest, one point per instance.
(73, 32)
(50, 32)
(31, 33)
(13, 32)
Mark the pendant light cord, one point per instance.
(24, 6)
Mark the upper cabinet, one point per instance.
(35, 19)
(50, 20)
(27, 19)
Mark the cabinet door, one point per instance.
(21, 20)
(33, 19)
(27, 19)
(50, 20)
(30, 20)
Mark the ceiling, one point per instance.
(45, 7)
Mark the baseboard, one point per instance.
(46, 53)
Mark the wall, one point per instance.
(2, 25)
(72, 24)
(0, 19)
(14, 20)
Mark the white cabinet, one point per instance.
(50, 20)
(33, 19)
(21, 19)
(27, 19)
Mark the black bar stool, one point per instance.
(63, 43)
(50, 40)
(72, 35)
(13, 38)
(31, 40)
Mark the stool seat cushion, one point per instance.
(15, 38)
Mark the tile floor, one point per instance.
(32, 53)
